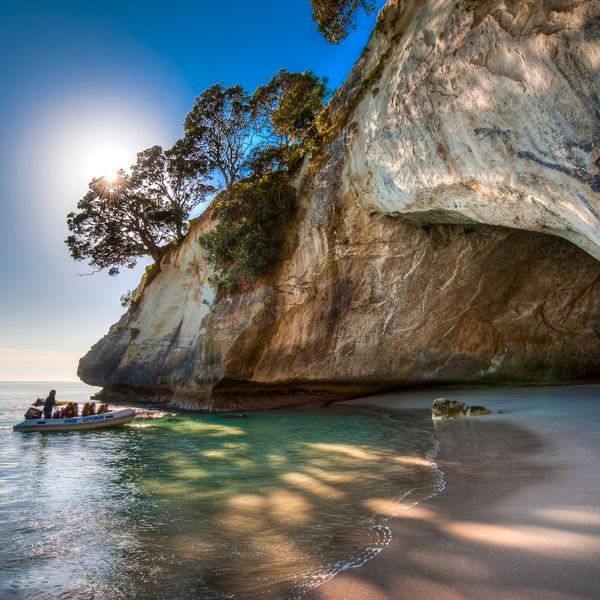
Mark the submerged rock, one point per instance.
(149, 414)
(420, 253)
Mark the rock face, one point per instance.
(488, 118)
(421, 252)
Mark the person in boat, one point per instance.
(49, 404)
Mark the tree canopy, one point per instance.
(253, 213)
(248, 145)
(218, 130)
(335, 18)
(173, 180)
(284, 109)
(137, 214)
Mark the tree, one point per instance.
(113, 226)
(335, 18)
(172, 180)
(218, 131)
(285, 108)
(134, 215)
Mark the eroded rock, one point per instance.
(421, 253)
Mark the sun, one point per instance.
(105, 161)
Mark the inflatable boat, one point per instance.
(108, 419)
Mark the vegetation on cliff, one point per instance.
(253, 212)
(247, 146)
(335, 18)
(131, 215)
(250, 232)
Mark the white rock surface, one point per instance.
(497, 123)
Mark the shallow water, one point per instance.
(211, 506)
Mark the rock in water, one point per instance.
(442, 408)
(420, 253)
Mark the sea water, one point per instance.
(245, 505)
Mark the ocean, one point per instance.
(246, 505)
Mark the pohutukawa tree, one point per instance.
(283, 111)
(218, 130)
(251, 144)
(137, 214)
(172, 180)
(335, 18)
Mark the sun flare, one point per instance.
(106, 160)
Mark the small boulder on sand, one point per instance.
(443, 408)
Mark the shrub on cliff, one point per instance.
(252, 219)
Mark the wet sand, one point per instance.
(520, 516)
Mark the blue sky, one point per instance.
(80, 79)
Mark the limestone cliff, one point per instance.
(421, 251)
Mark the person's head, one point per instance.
(53, 393)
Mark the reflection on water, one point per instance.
(207, 506)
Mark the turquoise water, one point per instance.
(208, 506)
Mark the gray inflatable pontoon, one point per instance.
(109, 419)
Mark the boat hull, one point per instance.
(109, 419)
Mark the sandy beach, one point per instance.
(520, 514)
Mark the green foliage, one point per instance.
(335, 18)
(252, 219)
(283, 116)
(252, 213)
(172, 180)
(126, 301)
(285, 108)
(113, 226)
(218, 131)
(120, 220)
